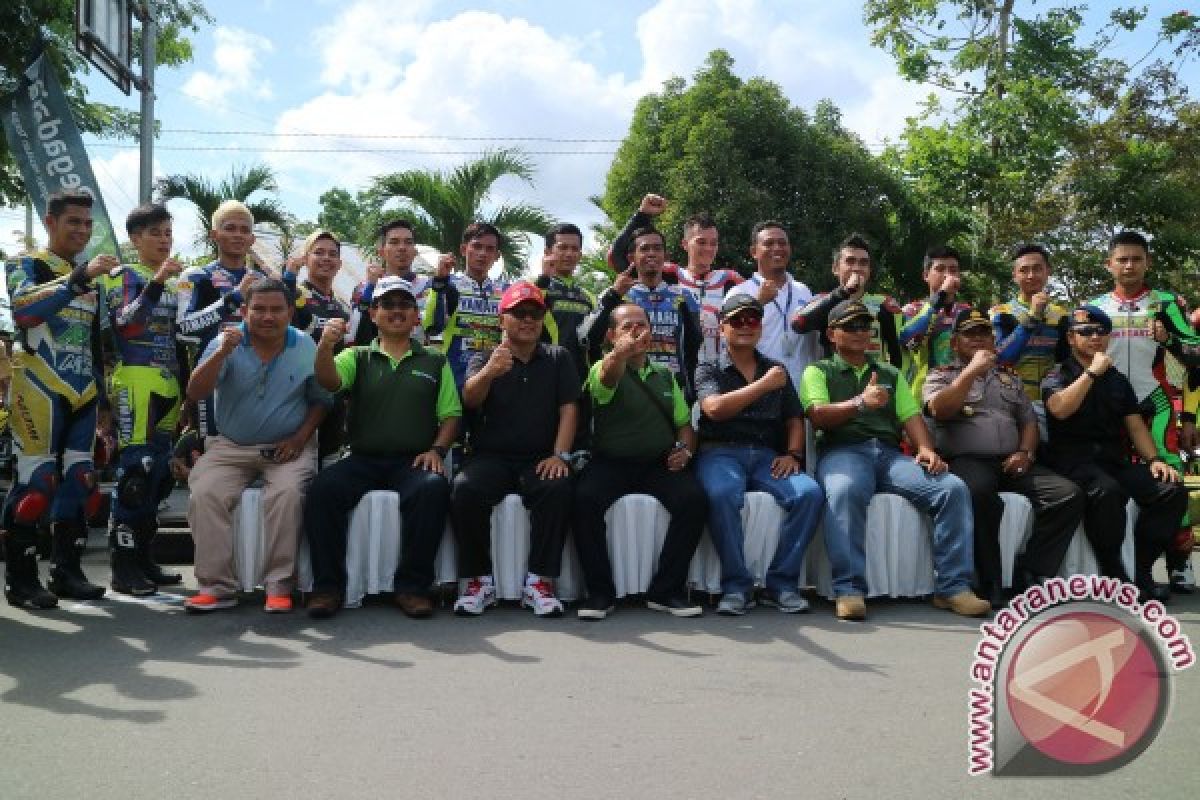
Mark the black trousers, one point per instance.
(602, 482)
(483, 482)
(336, 490)
(332, 431)
(1109, 487)
(1057, 510)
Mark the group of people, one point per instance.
(572, 401)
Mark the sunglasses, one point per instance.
(740, 321)
(388, 304)
(855, 327)
(527, 313)
(1088, 331)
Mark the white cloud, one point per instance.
(237, 59)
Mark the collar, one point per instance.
(845, 366)
(414, 348)
(1117, 293)
(724, 361)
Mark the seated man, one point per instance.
(404, 413)
(860, 406)
(268, 405)
(987, 430)
(642, 442)
(752, 438)
(1090, 409)
(523, 394)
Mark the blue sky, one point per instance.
(419, 77)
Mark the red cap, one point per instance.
(521, 292)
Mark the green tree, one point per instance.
(240, 185)
(1047, 134)
(740, 151)
(441, 205)
(22, 23)
(353, 218)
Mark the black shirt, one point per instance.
(520, 415)
(761, 423)
(1096, 431)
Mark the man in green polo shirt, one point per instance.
(860, 406)
(642, 442)
(404, 412)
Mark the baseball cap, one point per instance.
(970, 318)
(521, 292)
(390, 284)
(737, 303)
(316, 236)
(846, 311)
(1089, 314)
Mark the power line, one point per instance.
(408, 136)
(352, 151)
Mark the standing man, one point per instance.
(464, 308)
(987, 431)
(928, 324)
(524, 394)
(852, 268)
(1147, 324)
(54, 390)
(146, 395)
(267, 405)
(404, 413)
(567, 303)
(860, 406)
(397, 249)
(673, 314)
(781, 296)
(752, 439)
(1030, 330)
(643, 442)
(1091, 409)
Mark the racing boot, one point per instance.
(144, 533)
(66, 575)
(127, 574)
(22, 588)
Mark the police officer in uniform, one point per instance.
(1091, 409)
(986, 429)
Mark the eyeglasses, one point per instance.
(388, 304)
(855, 327)
(527, 313)
(1089, 331)
(740, 321)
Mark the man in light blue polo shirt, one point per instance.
(268, 404)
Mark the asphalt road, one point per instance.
(135, 699)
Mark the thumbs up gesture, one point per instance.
(875, 396)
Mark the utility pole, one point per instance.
(146, 86)
(28, 225)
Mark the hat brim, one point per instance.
(756, 310)
(376, 298)
(970, 326)
(850, 319)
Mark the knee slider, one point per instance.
(31, 508)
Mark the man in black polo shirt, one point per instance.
(752, 438)
(642, 441)
(523, 397)
(1091, 409)
(404, 412)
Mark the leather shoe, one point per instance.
(323, 605)
(850, 607)
(417, 606)
(965, 603)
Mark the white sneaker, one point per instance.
(479, 594)
(539, 595)
(1184, 580)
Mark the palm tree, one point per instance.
(241, 183)
(442, 205)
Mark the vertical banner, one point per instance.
(46, 145)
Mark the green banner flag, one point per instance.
(46, 145)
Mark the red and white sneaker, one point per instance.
(539, 595)
(479, 594)
(204, 602)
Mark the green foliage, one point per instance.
(240, 185)
(21, 24)
(739, 150)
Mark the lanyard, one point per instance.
(775, 302)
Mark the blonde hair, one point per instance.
(230, 207)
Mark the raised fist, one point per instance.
(768, 291)
(333, 332)
(776, 378)
(1100, 363)
(981, 362)
(230, 339)
(653, 205)
(169, 269)
(445, 265)
(101, 264)
(624, 282)
(1038, 303)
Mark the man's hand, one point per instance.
(1100, 363)
(500, 361)
(1161, 334)
(552, 468)
(928, 458)
(1017, 463)
(445, 265)
(1187, 437)
(291, 447)
(294, 264)
(169, 269)
(431, 461)
(875, 396)
(333, 333)
(653, 205)
(769, 291)
(1038, 303)
(981, 363)
(854, 284)
(100, 265)
(677, 459)
(950, 285)
(374, 273)
(624, 282)
(179, 469)
(626, 345)
(230, 339)
(776, 378)
(247, 281)
(1162, 471)
(106, 432)
(785, 466)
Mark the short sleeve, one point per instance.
(680, 411)
(346, 364)
(448, 402)
(566, 376)
(602, 394)
(906, 404)
(814, 390)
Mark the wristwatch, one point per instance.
(796, 454)
(684, 448)
(860, 403)
(565, 457)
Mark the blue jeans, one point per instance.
(727, 473)
(852, 474)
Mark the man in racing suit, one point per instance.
(145, 395)
(929, 324)
(1147, 325)
(56, 364)
(397, 249)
